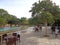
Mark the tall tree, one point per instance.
(46, 6)
(46, 11)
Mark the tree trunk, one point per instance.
(46, 29)
(46, 34)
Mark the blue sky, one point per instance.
(20, 8)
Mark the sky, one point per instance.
(20, 8)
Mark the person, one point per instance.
(36, 29)
(56, 31)
(40, 28)
(18, 37)
(59, 29)
(53, 29)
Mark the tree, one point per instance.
(13, 20)
(45, 6)
(8, 18)
(47, 17)
(3, 12)
(24, 21)
(35, 21)
(46, 12)
(42, 6)
(2, 21)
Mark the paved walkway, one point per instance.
(37, 38)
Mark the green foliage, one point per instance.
(2, 21)
(24, 21)
(35, 21)
(45, 12)
(6, 18)
(47, 17)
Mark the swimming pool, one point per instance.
(8, 28)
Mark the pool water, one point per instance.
(7, 28)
